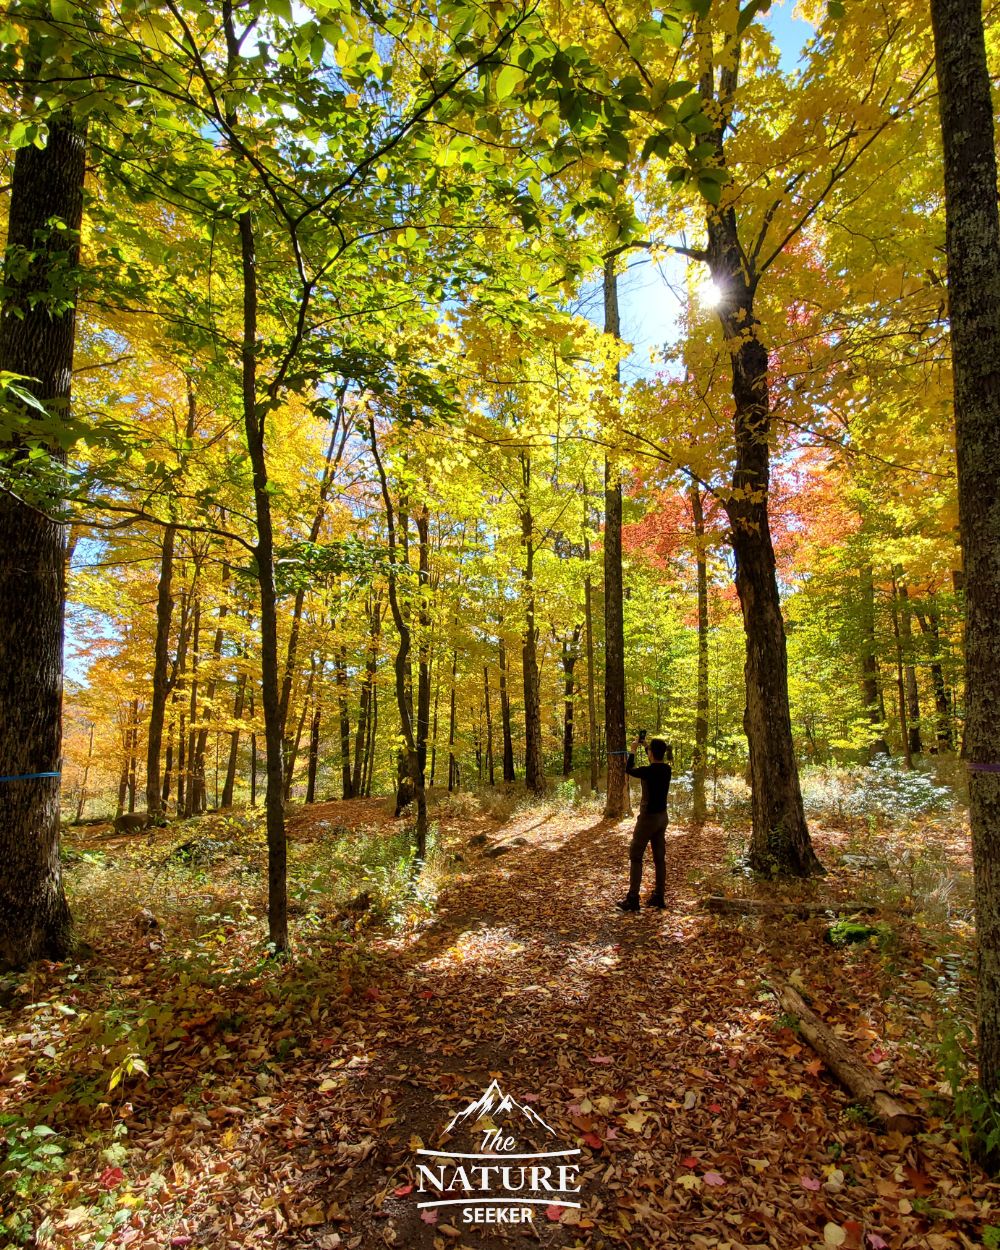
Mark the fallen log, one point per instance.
(856, 1076)
(723, 906)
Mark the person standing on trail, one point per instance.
(651, 826)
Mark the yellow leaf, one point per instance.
(834, 1235)
(314, 1215)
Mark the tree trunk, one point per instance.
(452, 761)
(314, 727)
(534, 763)
(191, 802)
(910, 672)
(423, 674)
(699, 761)
(367, 693)
(570, 655)
(508, 738)
(234, 743)
(973, 248)
(36, 342)
(900, 680)
(618, 802)
(588, 620)
(780, 840)
(871, 691)
(161, 682)
(931, 625)
(208, 702)
(489, 726)
(82, 799)
(340, 679)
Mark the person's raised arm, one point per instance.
(630, 767)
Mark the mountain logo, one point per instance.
(493, 1102)
(501, 1182)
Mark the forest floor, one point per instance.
(195, 1093)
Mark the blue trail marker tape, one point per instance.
(983, 768)
(28, 776)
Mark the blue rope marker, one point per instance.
(28, 776)
(983, 768)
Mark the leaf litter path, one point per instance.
(647, 1041)
(287, 1110)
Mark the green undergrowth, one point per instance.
(175, 968)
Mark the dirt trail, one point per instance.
(646, 1041)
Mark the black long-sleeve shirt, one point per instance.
(655, 781)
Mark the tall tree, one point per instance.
(973, 247)
(36, 345)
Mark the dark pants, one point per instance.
(649, 828)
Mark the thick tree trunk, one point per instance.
(973, 247)
(423, 674)
(618, 802)
(36, 342)
(508, 738)
(780, 840)
(161, 677)
(699, 761)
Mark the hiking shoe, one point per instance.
(656, 900)
(627, 904)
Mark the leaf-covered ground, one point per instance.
(200, 1096)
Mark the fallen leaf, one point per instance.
(834, 1235)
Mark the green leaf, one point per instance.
(710, 190)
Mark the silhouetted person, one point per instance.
(651, 826)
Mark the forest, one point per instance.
(417, 420)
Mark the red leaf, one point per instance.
(111, 1178)
(402, 1190)
(809, 1182)
(429, 1217)
(713, 1178)
(690, 1162)
(554, 1213)
(181, 1241)
(714, 1107)
(601, 1059)
(593, 1140)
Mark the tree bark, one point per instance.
(36, 341)
(367, 693)
(900, 678)
(931, 625)
(588, 625)
(910, 672)
(973, 248)
(570, 655)
(452, 724)
(534, 762)
(618, 801)
(490, 771)
(699, 761)
(234, 743)
(161, 677)
(780, 840)
(508, 738)
(871, 690)
(340, 679)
